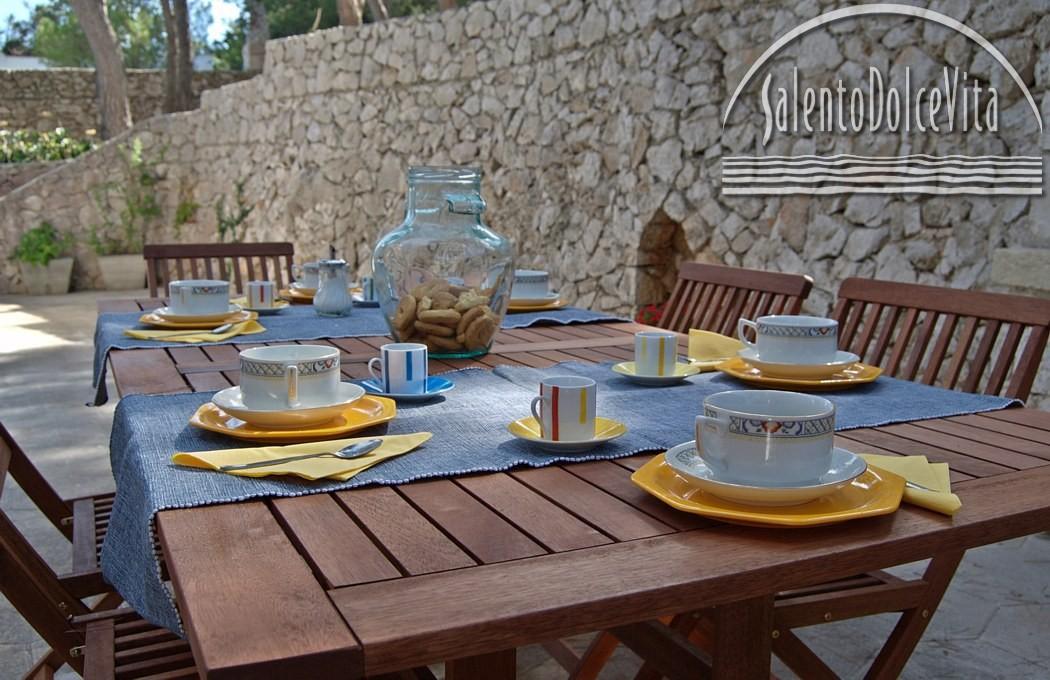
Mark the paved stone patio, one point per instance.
(993, 623)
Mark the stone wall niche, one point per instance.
(661, 249)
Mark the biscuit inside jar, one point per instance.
(446, 318)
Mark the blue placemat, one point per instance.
(296, 322)
(469, 426)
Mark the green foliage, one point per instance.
(185, 212)
(229, 223)
(53, 33)
(22, 146)
(129, 208)
(42, 244)
(294, 17)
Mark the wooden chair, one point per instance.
(99, 642)
(237, 263)
(712, 297)
(972, 341)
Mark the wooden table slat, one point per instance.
(1001, 440)
(975, 449)
(406, 536)
(544, 521)
(145, 371)
(263, 612)
(333, 543)
(904, 446)
(605, 512)
(988, 424)
(482, 532)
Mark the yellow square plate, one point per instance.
(856, 374)
(876, 492)
(541, 307)
(365, 412)
(293, 295)
(151, 319)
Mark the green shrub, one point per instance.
(42, 244)
(22, 146)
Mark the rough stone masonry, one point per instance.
(599, 129)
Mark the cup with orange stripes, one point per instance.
(565, 408)
(655, 353)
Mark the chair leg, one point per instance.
(595, 657)
(797, 656)
(912, 624)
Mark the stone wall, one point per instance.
(598, 126)
(44, 100)
(13, 175)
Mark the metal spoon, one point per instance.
(353, 451)
(217, 330)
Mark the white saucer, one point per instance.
(168, 315)
(546, 299)
(605, 429)
(845, 467)
(298, 287)
(842, 361)
(436, 386)
(230, 401)
(682, 370)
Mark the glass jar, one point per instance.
(443, 277)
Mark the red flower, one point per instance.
(650, 314)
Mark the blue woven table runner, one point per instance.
(296, 322)
(470, 435)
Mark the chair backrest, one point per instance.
(237, 263)
(713, 297)
(960, 339)
(26, 580)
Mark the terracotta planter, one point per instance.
(50, 279)
(123, 272)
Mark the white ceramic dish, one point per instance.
(168, 314)
(605, 429)
(436, 386)
(775, 369)
(544, 300)
(230, 401)
(682, 371)
(686, 461)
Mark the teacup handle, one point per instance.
(699, 427)
(535, 408)
(741, 326)
(291, 375)
(372, 363)
(297, 271)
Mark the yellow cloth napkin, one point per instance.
(311, 468)
(921, 471)
(243, 328)
(708, 346)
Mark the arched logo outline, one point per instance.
(883, 8)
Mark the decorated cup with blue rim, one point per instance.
(766, 437)
(198, 296)
(289, 377)
(792, 339)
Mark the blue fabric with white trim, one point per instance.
(296, 322)
(470, 435)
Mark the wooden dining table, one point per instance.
(465, 570)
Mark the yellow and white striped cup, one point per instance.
(655, 353)
(565, 408)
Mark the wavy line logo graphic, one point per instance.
(954, 102)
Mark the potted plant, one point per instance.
(38, 253)
(128, 210)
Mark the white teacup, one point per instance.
(565, 408)
(766, 437)
(530, 284)
(289, 376)
(401, 368)
(791, 339)
(655, 353)
(261, 294)
(307, 275)
(199, 296)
